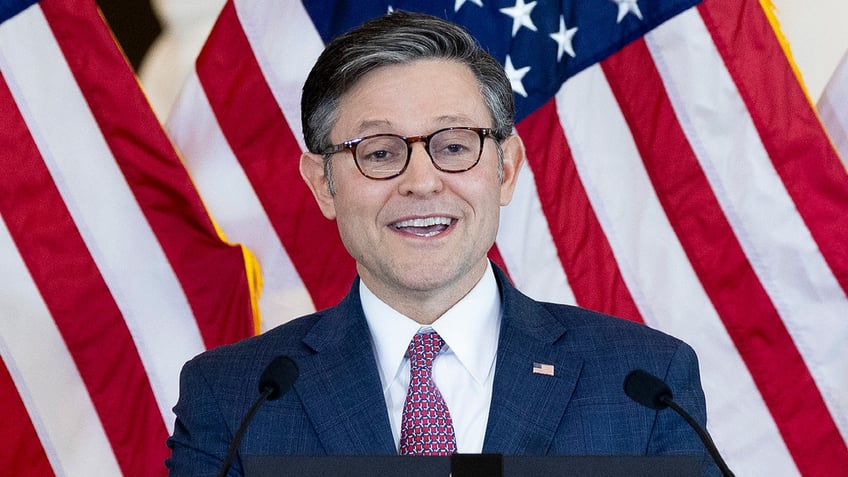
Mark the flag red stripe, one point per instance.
(78, 299)
(582, 246)
(795, 140)
(270, 158)
(155, 174)
(717, 257)
(22, 455)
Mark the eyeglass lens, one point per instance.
(452, 150)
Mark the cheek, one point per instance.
(350, 215)
(488, 190)
(354, 231)
(485, 204)
(357, 205)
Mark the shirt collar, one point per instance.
(470, 329)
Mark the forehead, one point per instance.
(412, 98)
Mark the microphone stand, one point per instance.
(705, 438)
(234, 445)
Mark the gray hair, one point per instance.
(397, 38)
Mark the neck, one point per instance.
(424, 306)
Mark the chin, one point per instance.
(430, 276)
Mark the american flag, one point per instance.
(678, 176)
(112, 273)
(542, 368)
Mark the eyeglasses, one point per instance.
(384, 156)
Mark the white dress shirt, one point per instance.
(464, 370)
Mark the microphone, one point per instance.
(652, 392)
(276, 380)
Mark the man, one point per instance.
(409, 124)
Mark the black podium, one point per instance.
(472, 465)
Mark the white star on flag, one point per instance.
(460, 3)
(520, 14)
(627, 6)
(563, 38)
(516, 76)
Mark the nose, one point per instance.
(420, 177)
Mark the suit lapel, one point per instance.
(528, 406)
(340, 385)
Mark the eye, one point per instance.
(455, 148)
(453, 143)
(381, 149)
(377, 156)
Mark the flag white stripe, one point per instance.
(214, 169)
(781, 249)
(46, 376)
(834, 113)
(101, 204)
(527, 247)
(655, 267)
(285, 53)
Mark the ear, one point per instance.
(514, 156)
(312, 172)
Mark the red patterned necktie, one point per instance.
(426, 425)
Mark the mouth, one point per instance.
(424, 227)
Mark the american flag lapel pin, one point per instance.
(543, 368)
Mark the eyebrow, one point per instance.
(380, 124)
(371, 125)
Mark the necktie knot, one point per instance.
(423, 349)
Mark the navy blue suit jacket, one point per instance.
(337, 407)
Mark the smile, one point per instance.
(424, 227)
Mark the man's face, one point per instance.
(422, 235)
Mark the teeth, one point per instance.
(425, 222)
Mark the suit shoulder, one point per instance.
(256, 351)
(581, 328)
(611, 347)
